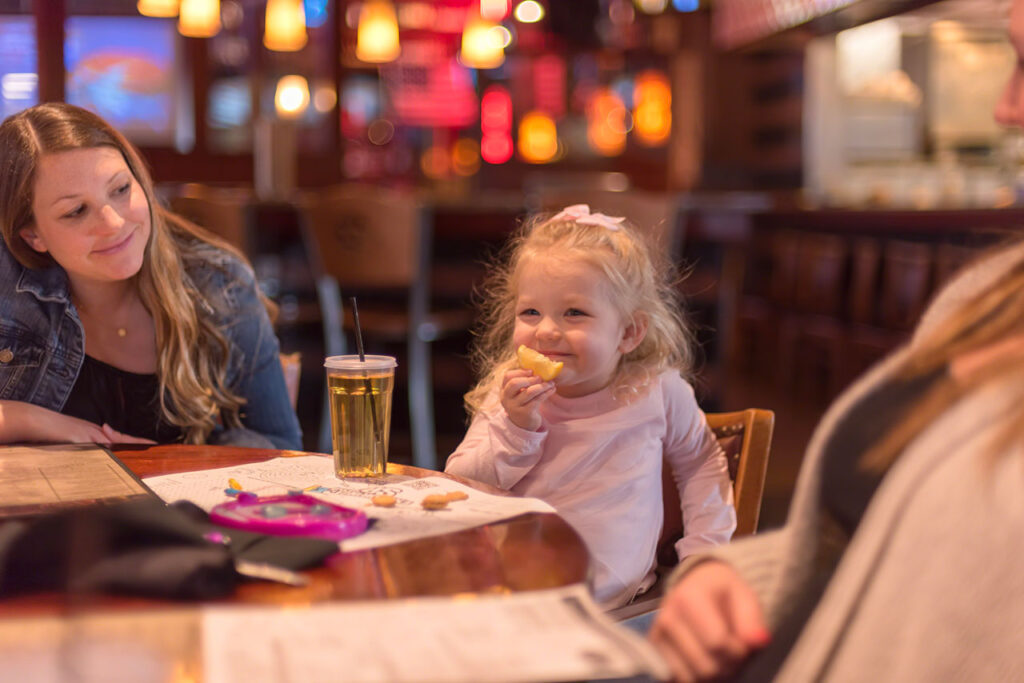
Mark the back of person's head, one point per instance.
(640, 280)
(51, 128)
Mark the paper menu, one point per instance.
(406, 521)
(37, 479)
(554, 635)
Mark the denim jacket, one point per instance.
(42, 344)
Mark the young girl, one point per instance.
(584, 289)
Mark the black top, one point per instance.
(127, 401)
(846, 491)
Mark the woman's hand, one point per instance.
(20, 421)
(522, 392)
(120, 437)
(708, 623)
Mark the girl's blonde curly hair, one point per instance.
(639, 276)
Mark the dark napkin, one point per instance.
(141, 547)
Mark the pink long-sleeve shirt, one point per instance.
(598, 461)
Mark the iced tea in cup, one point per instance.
(360, 393)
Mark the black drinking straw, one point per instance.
(362, 359)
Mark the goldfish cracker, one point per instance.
(436, 501)
(541, 365)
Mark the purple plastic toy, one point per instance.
(290, 515)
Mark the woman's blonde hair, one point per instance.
(986, 318)
(192, 352)
(641, 280)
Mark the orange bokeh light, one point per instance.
(606, 123)
(652, 113)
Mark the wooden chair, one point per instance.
(375, 243)
(765, 285)
(221, 210)
(906, 283)
(888, 293)
(746, 438)
(950, 258)
(812, 332)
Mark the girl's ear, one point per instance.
(31, 238)
(636, 330)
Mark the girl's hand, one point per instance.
(21, 421)
(522, 392)
(708, 623)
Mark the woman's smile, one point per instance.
(118, 246)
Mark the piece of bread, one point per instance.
(541, 365)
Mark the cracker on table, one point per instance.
(384, 500)
(435, 501)
(456, 495)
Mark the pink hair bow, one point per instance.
(580, 213)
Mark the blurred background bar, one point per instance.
(816, 168)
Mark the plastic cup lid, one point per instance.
(353, 363)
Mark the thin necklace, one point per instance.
(122, 332)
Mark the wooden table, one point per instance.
(532, 551)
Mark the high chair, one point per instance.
(746, 438)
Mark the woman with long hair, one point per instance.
(119, 320)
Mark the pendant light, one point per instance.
(483, 44)
(291, 98)
(158, 8)
(286, 26)
(199, 18)
(377, 35)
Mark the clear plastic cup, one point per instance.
(360, 397)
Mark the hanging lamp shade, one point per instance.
(158, 8)
(199, 18)
(483, 45)
(286, 26)
(377, 35)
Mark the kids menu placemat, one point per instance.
(405, 518)
(40, 479)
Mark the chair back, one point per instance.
(366, 237)
(220, 210)
(906, 283)
(746, 438)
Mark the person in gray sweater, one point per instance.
(900, 557)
